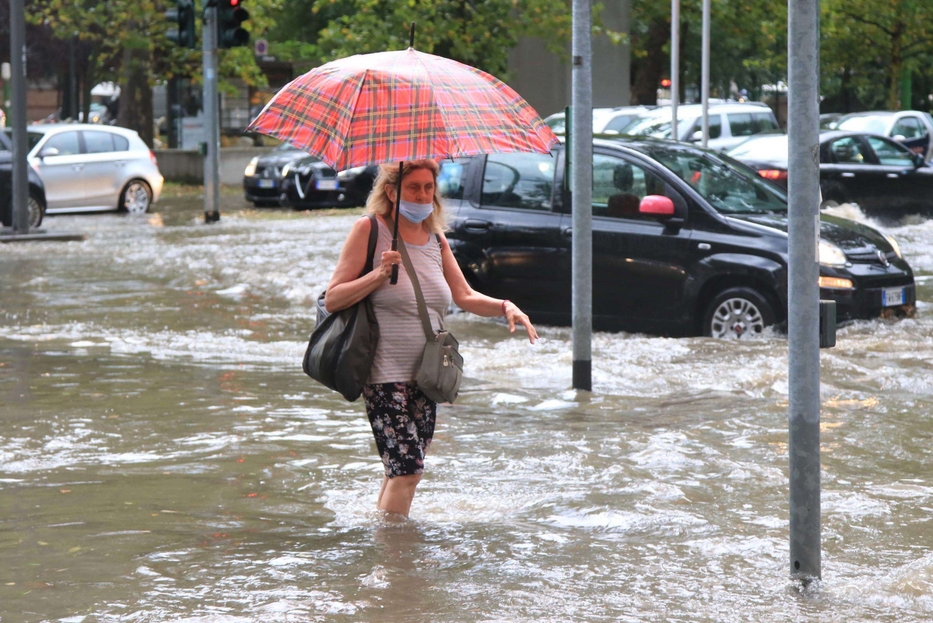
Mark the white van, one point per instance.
(729, 124)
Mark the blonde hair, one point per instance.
(378, 201)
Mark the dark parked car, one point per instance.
(36, 202)
(262, 179)
(356, 184)
(685, 241)
(880, 175)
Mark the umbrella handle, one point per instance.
(394, 278)
(398, 198)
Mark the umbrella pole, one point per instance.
(398, 198)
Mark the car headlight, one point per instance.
(894, 245)
(831, 255)
(286, 169)
(251, 167)
(350, 173)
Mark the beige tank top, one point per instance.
(401, 336)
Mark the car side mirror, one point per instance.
(919, 161)
(900, 138)
(49, 152)
(696, 137)
(656, 205)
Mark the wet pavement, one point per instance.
(162, 457)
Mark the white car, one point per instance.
(605, 120)
(912, 128)
(87, 167)
(729, 124)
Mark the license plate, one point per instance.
(326, 184)
(267, 183)
(892, 296)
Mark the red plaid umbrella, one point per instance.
(395, 106)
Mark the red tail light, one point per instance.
(773, 174)
(153, 158)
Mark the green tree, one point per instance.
(125, 42)
(898, 34)
(476, 32)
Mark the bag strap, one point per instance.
(422, 308)
(371, 252)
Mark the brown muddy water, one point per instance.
(162, 457)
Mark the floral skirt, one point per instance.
(403, 424)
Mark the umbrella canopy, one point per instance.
(405, 105)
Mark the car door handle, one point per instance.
(893, 175)
(120, 163)
(77, 167)
(847, 174)
(568, 232)
(476, 227)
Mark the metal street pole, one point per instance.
(211, 116)
(20, 189)
(675, 65)
(582, 192)
(704, 75)
(803, 288)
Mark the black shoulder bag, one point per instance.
(343, 344)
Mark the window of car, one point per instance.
(516, 180)
(908, 127)
(872, 125)
(619, 123)
(451, 178)
(764, 122)
(65, 142)
(120, 143)
(729, 187)
(849, 150)
(98, 142)
(890, 153)
(741, 124)
(619, 186)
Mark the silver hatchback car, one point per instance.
(87, 167)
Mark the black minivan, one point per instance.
(686, 241)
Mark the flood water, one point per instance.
(163, 458)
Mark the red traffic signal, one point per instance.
(666, 83)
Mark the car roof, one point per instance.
(49, 128)
(872, 113)
(687, 111)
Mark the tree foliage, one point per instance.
(480, 33)
(869, 49)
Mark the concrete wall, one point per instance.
(187, 165)
(543, 79)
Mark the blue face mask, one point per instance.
(415, 212)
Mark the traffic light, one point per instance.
(230, 16)
(184, 35)
(665, 83)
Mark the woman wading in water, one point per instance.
(402, 417)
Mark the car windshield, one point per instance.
(285, 147)
(872, 125)
(730, 187)
(32, 138)
(763, 148)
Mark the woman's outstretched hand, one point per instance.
(515, 317)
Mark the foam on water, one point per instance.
(163, 406)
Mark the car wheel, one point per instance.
(36, 210)
(737, 313)
(136, 197)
